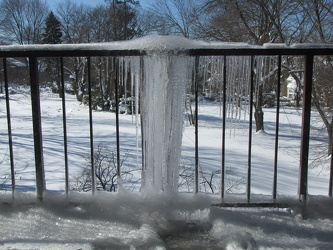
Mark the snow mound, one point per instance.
(230, 239)
(184, 221)
(162, 44)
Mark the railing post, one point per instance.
(37, 127)
(277, 127)
(196, 169)
(249, 160)
(63, 92)
(116, 88)
(305, 134)
(9, 125)
(91, 129)
(330, 189)
(224, 111)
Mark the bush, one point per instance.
(105, 163)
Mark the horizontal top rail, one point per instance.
(262, 51)
(157, 77)
(169, 45)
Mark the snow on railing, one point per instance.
(160, 70)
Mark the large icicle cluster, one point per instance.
(238, 71)
(158, 83)
(163, 93)
(238, 83)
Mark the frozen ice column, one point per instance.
(162, 104)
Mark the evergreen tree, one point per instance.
(52, 35)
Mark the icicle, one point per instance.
(229, 98)
(220, 82)
(265, 71)
(135, 68)
(163, 94)
(238, 78)
(233, 79)
(237, 83)
(258, 76)
(125, 70)
(247, 69)
(132, 91)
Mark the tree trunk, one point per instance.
(101, 80)
(328, 125)
(259, 117)
(259, 113)
(59, 88)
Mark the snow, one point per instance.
(275, 45)
(154, 43)
(130, 221)
(160, 44)
(311, 45)
(187, 221)
(159, 217)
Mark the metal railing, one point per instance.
(33, 53)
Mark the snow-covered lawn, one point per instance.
(184, 222)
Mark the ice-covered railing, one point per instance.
(172, 45)
(161, 68)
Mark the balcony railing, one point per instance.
(194, 52)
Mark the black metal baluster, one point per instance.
(92, 160)
(277, 127)
(330, 189)
(9, 125)
(196, 170)
(64, 124)
(224, 110)
(116, 82)
(248, 189)
(37, 127)
(305, 134)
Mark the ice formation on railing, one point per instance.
(162, 95)
(158, 86)
(159, 83)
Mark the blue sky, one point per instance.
(144, 3)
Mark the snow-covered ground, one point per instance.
(128, 219)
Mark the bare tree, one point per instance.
(75, 21)
(22, 21)
(209, 181)
(176, 16)
(253, 21)
(150, 23)
(322, 96)
(105, 164)
(320, 17)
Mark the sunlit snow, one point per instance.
(159, 217)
